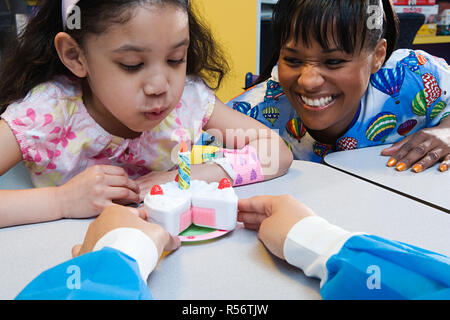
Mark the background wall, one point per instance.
(234, 24)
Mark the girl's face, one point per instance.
(137, 70)
(325, 86)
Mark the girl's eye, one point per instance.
(131, 68)
(179, 61)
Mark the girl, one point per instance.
(332, 90)
(104, 95)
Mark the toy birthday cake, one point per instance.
(176, 205)
(212, 205)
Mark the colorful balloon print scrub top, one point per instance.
(410, 92)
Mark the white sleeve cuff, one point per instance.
(134, 243)
(226, 166)
(311, 242)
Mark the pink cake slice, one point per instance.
(215, 207)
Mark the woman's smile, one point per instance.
(318, 103)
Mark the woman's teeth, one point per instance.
(322, 102)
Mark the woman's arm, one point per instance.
(422, 149)
(431, 145)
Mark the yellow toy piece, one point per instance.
(201, 154)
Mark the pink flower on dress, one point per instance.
(126, 157)
(38, 128)
(133, 167)
(64, 137)
(104, 154)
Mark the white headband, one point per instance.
(66, 8)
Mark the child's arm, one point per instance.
(350, 265)
(22, 206)
(237, 130)
(86, 195)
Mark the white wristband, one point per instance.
(226, 166)
(134, 243)
(311, 242)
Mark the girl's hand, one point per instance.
(422, 149)
(90, 192)
(146, 182)
(274, 217)
(117, 216)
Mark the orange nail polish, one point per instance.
(443, 167)
(417, 168)
(401, 166)
(392, 162)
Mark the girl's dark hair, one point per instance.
(348, 21)
(32, 58)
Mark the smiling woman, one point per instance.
(326, 86)
(337, 84)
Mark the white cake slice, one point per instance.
(205, 204)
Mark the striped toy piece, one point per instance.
(184, 170)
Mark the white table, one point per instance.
(16, 178)
(237, 266)
(430, 186)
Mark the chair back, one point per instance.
(410, 23)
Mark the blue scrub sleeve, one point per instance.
(370, 267)
(107, 274)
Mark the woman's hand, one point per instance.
(274, 217)
(90, 192)
(422, 149)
